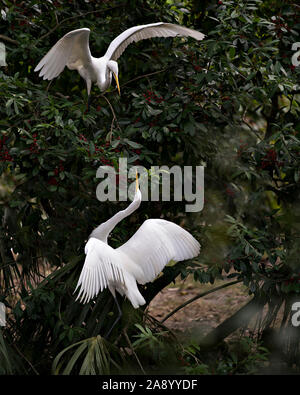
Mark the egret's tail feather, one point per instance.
(135, 298)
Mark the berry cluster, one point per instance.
(229, 192)
(197, 67)
(195, 61)
(270, 160)
(82, 138)
(175, 130)
(280, 25)
(4, 155)
(241, 149)
(34, 147)
(59, 168)
(22, 11)
(153, 122)
(106, 161)
(99, 149)
(292, 280)
(52, 181)
(151, 96)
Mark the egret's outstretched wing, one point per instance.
(72, 49)
(101, 267)
(137, 33)
(156, 243)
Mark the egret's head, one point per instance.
(138, 194)
(113, 67)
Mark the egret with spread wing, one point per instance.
(73, 51)
(139, 260)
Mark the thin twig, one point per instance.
(199, 296)
(56, 17)
(3, 254)
(27, 360)
(74, 17)
(158, 323)
(48, 86)
(8, 39)
(131, 347)
(138, 78)
(114, 118)
(251, 128)
(144, 76)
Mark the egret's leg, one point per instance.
(88, 87)
(117, 319)
(89, 102)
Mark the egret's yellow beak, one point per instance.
(136, 181)
(117, 81)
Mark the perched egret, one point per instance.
(73, 51)
(139, 260)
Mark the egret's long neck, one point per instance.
(103, 76)
(103, 230)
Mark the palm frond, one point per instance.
(92, 356)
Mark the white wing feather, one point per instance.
(155, 244)
(101, 268)
(137, 33)
(71, 49)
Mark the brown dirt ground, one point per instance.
(201, 315)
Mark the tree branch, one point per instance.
(169, 275)
(197, 297)
(231, 324)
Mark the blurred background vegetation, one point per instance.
(229, 103)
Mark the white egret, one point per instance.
(139, 260)
(73, 51)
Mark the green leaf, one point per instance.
(189, 128)
(132, 143)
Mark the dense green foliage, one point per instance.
(230, 103)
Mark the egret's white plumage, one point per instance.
(140, 259)
(73, 51)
